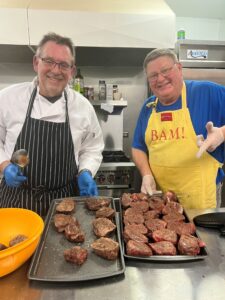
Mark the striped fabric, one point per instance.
(52, 170)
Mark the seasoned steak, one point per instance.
(73, 233)
(165, 235)
(139, 196)
(61, 221)
(172, 207)
(105, 212)
(163, 248)
(154, 224)
(142, 206)
(130, 234)
(103, 227)
(182, 228)
(106, 248)
(189, 245)
(3, 247)
(138, 249)
(17, 239)
(96, 204)
(66, 206)
(76, 255)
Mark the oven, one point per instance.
(116, 174)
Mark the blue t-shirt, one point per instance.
(205, 101)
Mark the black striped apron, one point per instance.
(52, 169)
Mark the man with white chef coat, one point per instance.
(56, 125)
(172, 125)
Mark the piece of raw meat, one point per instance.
(105, 212)
(73, 233)
(165, 235)
(96, 204)
(172, 207)
(66, 206)
(62, 220)
(134, 248)
(76, 255)
(163, 248)
(151, 214)
(130, 234)
(142, 206)
(103, 227)
(17, 239)
(106, 248)
(154, 224)
(189, 245)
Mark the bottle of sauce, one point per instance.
(79, 82)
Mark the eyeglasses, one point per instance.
(164, 72)
(63, 66)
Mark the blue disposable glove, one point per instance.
(13, 175)
(86, 184)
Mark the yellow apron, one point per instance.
(171, 142)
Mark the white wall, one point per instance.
(202, 29)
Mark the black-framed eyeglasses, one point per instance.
(51, 64)
(164, 72)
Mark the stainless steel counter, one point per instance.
(196, 280)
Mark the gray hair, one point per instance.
(58, 39)
(158, 53)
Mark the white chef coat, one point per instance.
(85, 129)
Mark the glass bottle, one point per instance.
(79, 82)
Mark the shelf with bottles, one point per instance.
(122, 103)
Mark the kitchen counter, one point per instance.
(190, 280)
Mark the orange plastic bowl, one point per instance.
(15, 221)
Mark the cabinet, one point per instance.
(14, 26)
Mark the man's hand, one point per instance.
(13, 175)
(86, 184)
(148, 185)
(214, 138)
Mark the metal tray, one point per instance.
(167, 258)
(48, 263)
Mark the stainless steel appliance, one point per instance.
(203, 60)
(116, 173)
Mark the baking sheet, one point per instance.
(49, 264)
(167, 258)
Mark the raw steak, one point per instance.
(156, 203)
(175, 216)
(170, 196)
(105, 212)
(133, 215)
(126, 200)
(142, 206)
(171, 207)
(76, 255)
(138, 249)
(182, 228)
(163, 248)
(151, 214)
(137, 227)
(17, 239)
(189, 245)
(130, 234)
(96, 204)
(106, 248)
(73, 233)
(103, 226)
(154, 224)
(165, 235)
(66, 206)
(61, 221)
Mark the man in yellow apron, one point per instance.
(172, 125)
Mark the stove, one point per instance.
(116, 174)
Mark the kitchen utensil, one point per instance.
(20, 158)
(14, 222)
(212, 220)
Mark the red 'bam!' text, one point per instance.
(171, 134)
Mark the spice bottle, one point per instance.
(79, 82)
(102, 90)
